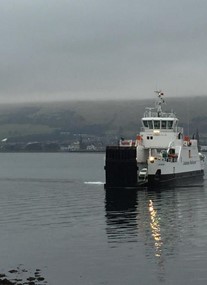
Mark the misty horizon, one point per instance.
(31, 101)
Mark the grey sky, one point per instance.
(85, 49)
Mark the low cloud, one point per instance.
(62, 50)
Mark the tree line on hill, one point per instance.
(61, 121)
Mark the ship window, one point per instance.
(157, 124)
(150, 138)
(145, 124)
(150, 124)
(175, 125)
(171, 151)
(164, 124)
(169, 124)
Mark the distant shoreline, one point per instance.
(76, 151)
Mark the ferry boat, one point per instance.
(160, 155)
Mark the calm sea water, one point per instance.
(56, 216)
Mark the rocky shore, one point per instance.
(22, 276)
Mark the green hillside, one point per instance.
(51, 120)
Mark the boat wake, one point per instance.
(94, 182)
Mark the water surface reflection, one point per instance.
(121, 216)
(163, 222)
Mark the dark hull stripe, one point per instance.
(175, 179)
(178, 179)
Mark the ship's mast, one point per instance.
(159, 102)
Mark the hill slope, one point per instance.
(50, 120)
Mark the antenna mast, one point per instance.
(160, 101)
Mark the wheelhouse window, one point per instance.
(150, 125)
(169, 124)
(175, 125)
(145, 123)
(157, 124)
(164, 124)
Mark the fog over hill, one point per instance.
(121, 118)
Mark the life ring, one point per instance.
(139, 138)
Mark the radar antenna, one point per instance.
(161, 100)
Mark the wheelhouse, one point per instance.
(164, 124)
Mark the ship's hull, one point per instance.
(176, 179)
(122, 171)
(165, 181)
